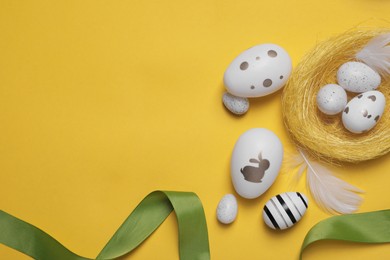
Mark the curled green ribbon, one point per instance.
(141, 223)
(370, 227)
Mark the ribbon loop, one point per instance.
(141, 223)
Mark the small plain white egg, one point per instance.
(236, 105)
(357, 77)
(258, 71)
(256, 160)
(284, 210)
(227, 209)
(363, 111)
(331, 99)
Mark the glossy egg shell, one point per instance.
(285, 210)
(363, 112)
(256, 160)
(258, 71)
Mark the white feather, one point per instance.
(293, 162)
(376, 54)
(330, 193)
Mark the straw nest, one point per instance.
(324, 137)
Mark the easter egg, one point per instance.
(227, 209)
(258, 71)
(363, 112)
(256, 160)
(284, 210)
(331, 99)
(236, 105)
(357, 77)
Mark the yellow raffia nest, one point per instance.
(324, 137)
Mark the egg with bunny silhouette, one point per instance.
(256, 160)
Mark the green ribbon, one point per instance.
(146, 218)
(370, 227)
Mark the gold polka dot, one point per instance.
(365, 112)
(272, 53)
(257, 58)
(267, 83)
(244, 65)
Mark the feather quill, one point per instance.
(376, 54)
(330, 193)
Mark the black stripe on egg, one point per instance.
(281, 211)
(269, 215)
(290, 201)
(286, 208)
(275, 214)
(303, 200)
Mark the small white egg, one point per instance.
(357, 77)
(331, 99)
(258, 71)
(284, 210)
(227, 209)
(256, 160)
(236, 105)
(363, 111)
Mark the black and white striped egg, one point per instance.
(284, 210)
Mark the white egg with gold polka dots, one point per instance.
(258, 71)
(363, 112)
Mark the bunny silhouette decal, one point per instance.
(255, 174)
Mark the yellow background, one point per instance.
(102, 102)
